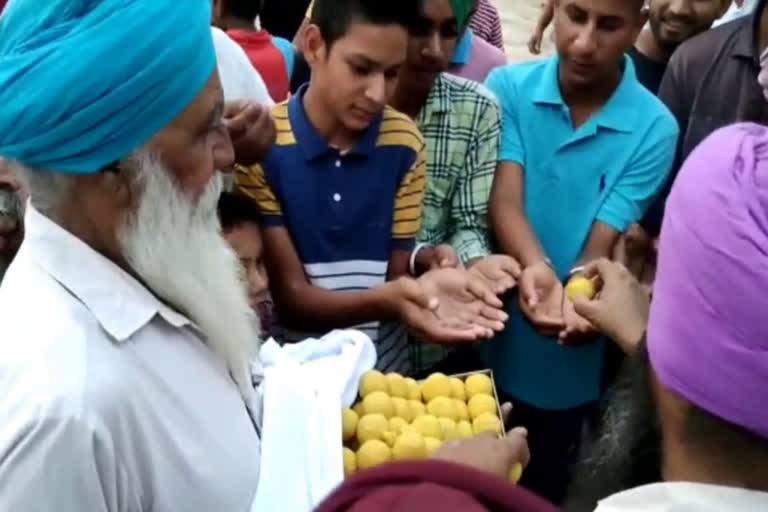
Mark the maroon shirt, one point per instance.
(431, 486)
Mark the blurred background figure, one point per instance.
(486, 23)
(11, 216)
(272, 56)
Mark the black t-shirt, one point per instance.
(649, 71)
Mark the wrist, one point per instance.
(421, 257)
(388, 297)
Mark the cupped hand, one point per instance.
(499, 272)
(541, 298)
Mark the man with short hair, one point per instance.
(584, 149)
(461, 124)
(711, 82)
(341, 193)
(671, 22)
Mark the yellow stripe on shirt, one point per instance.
(250, 182)
(409, 199)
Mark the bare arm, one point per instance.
(512, 230)
(600, 244)
(545, 18)
(311, 308)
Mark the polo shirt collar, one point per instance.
(463, 49)
(311, 143)
(438, 100)
(745, 45)
(619, 112)
(119, 302)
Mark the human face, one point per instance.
(674, 21)
(245, 239)
(592, 36)
(196, 145)
(357, 75)
(433, 40)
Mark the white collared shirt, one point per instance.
(685, 497)
(109, 400)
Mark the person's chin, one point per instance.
(357, 120)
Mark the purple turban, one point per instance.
(708, 331)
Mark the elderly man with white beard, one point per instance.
(125, 332)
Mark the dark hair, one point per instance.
(334, 17)
(244, 9)
(236, 210)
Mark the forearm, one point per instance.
(307, 307)
(515, 235)
(546, 16)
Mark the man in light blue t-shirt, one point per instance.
(585, 148)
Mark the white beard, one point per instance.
(174, 244)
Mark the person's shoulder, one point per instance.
(699, 51)
(517, 77)
(464, 88)
(397, 129)
(471, 98)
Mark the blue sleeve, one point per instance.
(503, 87)
(645, 176)
(286, 48)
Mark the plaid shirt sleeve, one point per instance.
(469, 209)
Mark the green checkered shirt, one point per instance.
(461, 124)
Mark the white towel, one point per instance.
(305, 385)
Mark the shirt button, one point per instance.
(337, 197)
(338, 163)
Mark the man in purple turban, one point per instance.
(693, 410)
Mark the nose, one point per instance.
(257, 284)
(432, 47)
(680, 7)
(586, 41)
(376, 91)
(223, 151)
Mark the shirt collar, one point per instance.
(438, 100)
(463, 49)
(619, 112)
(311, 143)
(119, 302)
(746, 40)
(671, 496)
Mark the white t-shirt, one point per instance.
(239, 79)
(685, 497)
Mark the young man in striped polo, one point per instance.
(341, 195)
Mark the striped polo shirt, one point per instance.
(345, 212)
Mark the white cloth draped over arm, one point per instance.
(305, 386)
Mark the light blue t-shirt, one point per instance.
(607, 170)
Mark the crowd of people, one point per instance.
(179, 183)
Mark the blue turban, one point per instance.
(83, 83)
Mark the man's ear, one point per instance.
(313, 45)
